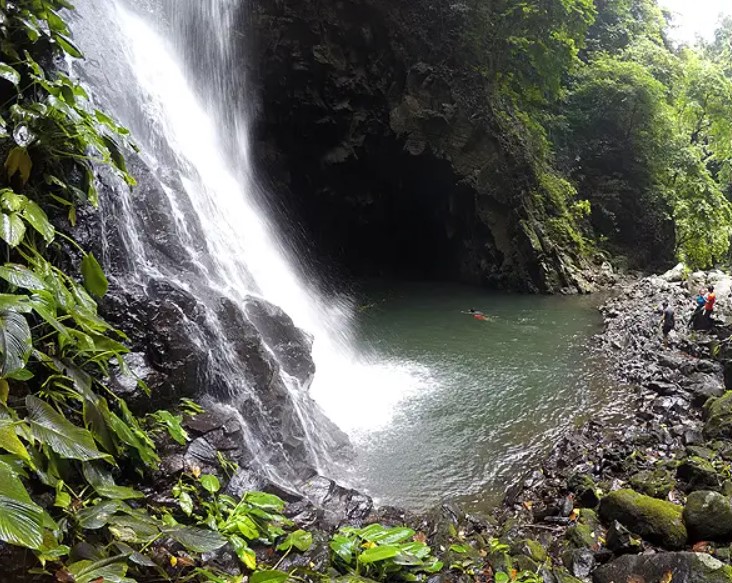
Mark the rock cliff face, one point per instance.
(379, 138)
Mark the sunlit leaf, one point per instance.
(12, 229)
(9, 74)
(15, 343)
(269, 576)
(94, 279)
(19, 161)
(21, 276)
(38, 219)
(21, 520)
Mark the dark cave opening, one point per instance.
(380, 213)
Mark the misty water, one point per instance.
(491, 397)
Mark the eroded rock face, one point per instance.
(378, 135)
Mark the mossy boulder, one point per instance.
(708, 516)
(584, 489)
(683, 567)
(581, 536)
(657, 521)
(655, 483)
(531, 548)
(563, 576)
(718, 417)
(586, 533)
(696, 473)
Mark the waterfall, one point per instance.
(208, 233)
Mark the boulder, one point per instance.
(718, 417)
(704, 386)
(657, 521)
(621, 541)
(676, 567)
(579, 562)
(675, 274)
(655, 483)
(708, 516)
(585, 490)
(697, 473)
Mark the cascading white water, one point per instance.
(199, 147)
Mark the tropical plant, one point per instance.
(383, 553)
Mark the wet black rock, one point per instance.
(291, 345)
(621, 541)
(697, 473)
(338, 504)
(579, 562)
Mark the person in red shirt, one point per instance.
(710, 298)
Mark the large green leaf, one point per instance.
(300, 539)
(103, 482)
(21, 520)
(196, 540)
(133, 529)
(68, 45)
(386, 536)
(135, 439)
(269, 576)
(21, 276)
(376, 554)
(265, 501)
(37, 218)
(9, 440)
(62, 436)
(97, 516)
(19, 161)
(12, 229)
(16, 343)
(112, 570)
(94, 279)
(9, 74)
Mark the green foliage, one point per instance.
(383, 553)
(528, 46)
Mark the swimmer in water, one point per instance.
(477, 315)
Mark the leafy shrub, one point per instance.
(383, 553)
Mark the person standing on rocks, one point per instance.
(668, 322)
(709, 300)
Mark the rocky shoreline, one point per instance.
(648, 500)
(644, 500)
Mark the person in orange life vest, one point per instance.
(710, 298)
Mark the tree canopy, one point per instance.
(640, 128)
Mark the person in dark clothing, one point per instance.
(669, 321)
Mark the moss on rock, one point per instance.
(718, 416)
(531, 548)
(657, 521)
(696, 473)
(655, 483)
(708, 516)
(585, 490)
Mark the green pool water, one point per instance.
(479, 401)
